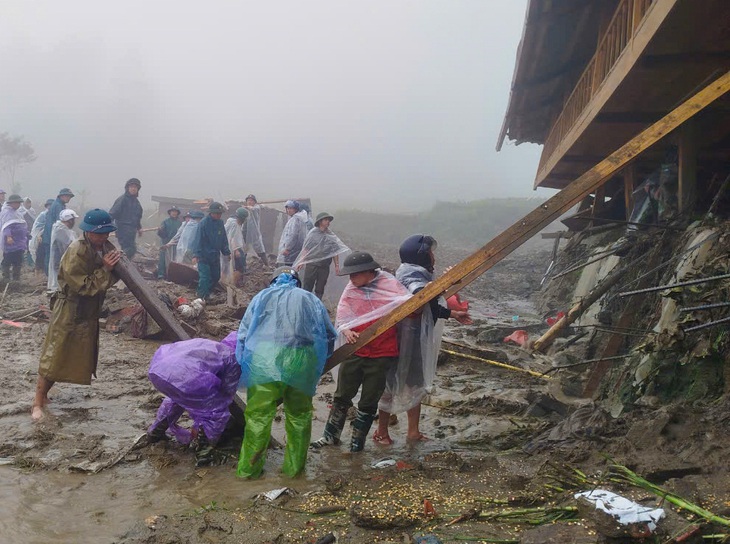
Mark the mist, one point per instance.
(380, 105)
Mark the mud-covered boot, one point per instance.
(360, 429)
(333, 428)
(158, 433)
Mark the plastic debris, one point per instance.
(194, 309)
(384, 463)
(518, 337)
(276, 493)
(554, 319)
(626, 512)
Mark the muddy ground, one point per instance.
(500, 441)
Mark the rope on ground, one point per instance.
(497, 363)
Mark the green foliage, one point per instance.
(14, 154)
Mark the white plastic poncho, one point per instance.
(234, 233)
(61, 238)
(292, 237)
(184, 251)
(320, 246)
(35, 233)
(419, 341)
(8, 216)
(254, 241)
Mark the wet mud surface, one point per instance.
(75, 476)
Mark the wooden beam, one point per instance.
(128, 273)
(648, 28)
(687, 194)
(508, 240)
(629, 117)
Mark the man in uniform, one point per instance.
(127, 213)
(166, 232)
(210, 243)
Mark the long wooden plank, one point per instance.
(508, 240)
(147, 296)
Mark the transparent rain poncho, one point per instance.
(253, 230)
(61, 238)
(320, 246)
(285, 336)
(292, 237)
(184, 251)
(35, 233)
(234, 233)
(199, 376)
(360, 305)
(419, 342)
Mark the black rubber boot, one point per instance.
(334, 426)
(360, 429)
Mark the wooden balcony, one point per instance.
(625, 38)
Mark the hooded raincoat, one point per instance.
(127, 213)
(234, 233)
(253, 230)
(71, 348)
(61, 238)
(184, 238)
(419, 339)
(36, 232)
(284, 339)
(12, 224)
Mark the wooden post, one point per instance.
(542, 343)
(629, 185)
(128, 273)
(687, 194)
(511, 238)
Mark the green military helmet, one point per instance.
(242, 214)
(216, 207)
(97, 221)
(14, 198)
(323, 215)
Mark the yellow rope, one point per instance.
(497, 363)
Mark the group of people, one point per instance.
(282, 344)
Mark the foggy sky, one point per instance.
(384, 104)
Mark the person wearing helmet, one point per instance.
(13, 237)
(284, 339)
(127, 213)
(370, 294)
(292, 237)
(254, 240)
(62, 236)
(184, 237)
(235, 232)
(36, 246)
(409, 381)
(166, 232)
(209, 244)
(71, 347)
(64, 197)
(320, 248)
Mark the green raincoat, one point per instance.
(71, 348)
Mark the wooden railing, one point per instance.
(619, 33)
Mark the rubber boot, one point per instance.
(333, 428)
(360, 429)
(264, 259)
(158, 433)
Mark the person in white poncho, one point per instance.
(62, 236)
(233, 269)
(252, 231)
(321, 247)
(292, 237)
(36, 247)
(184, 237)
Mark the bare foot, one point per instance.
(382, 439)
(420, 437)
(37, 413)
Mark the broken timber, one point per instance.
(508, 240)
(147, 296)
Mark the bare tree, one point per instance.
(14, 154)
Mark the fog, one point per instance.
(385, 104)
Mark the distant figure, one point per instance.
(185, 236)
(127, 213)
(35, 246)
(166, 232)
(284, 340)
(29, 213)
(233, 269)
(253, 239)
(63, 198)
(62, 236)
(2, 198)
(292, 237)
(13, 237)
(321, 247)
(209, 244)
(71, 348)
